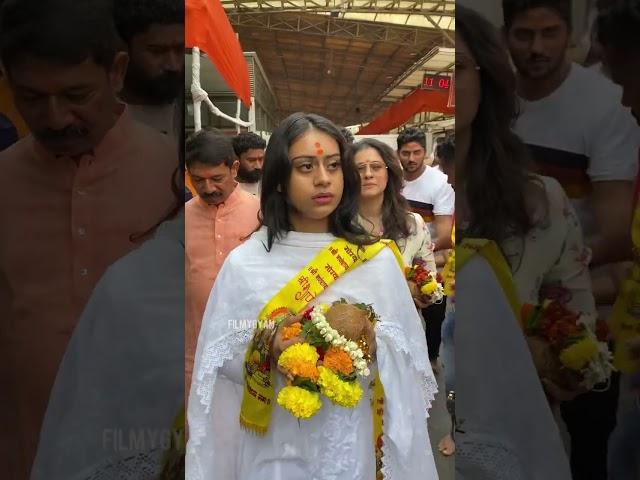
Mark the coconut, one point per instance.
(349, 320)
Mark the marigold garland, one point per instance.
(291, 331)
(338, 360)
(429, 283)
(578, 355)
(299, 352)
(571, 340)
(326, 363)
(345, 394)
(299, 402)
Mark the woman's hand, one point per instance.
(418, 298)
(420, 304)
(278, 344)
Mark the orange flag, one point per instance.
(207, 27)
(400, 112)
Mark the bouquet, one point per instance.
(330, 360)
(564, 349)
(423, 283)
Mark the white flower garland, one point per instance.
(334, 338)
(599, 369)
(438, 294)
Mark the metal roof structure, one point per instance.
(438, 61)
(339, 58)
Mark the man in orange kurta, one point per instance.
(217, 220)
(85, 188)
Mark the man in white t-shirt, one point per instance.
(578, 133)
(426, 188)
(429, 194)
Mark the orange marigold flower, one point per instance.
(291, 331)
(338, 360)
(304, 370)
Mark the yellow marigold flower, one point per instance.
(345, 394)
(429, 288)
(578, 355)
(299, 402)
(338, 360)
(299, 352)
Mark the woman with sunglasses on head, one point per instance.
(238, 431)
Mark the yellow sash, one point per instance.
(625, 318)
(491, 253)
(449, 271)
(333, 261)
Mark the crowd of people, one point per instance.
(545, 163)
(85, 185)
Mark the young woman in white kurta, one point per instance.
(305, 162)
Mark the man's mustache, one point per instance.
(71, 132)
(536, 57)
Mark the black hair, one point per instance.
(512, 8)
(412, 135)
(246, 141)
(274, 203)
(445, 151)
(133, 17)
(395, 208)
(348, 136)
(209, 148)
(68, 32)
(618, 27)
(496, 179)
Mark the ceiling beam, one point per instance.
(444, 8)
(333, 27)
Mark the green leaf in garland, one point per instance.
(306, 384)
(313, 336)
(373, 316)
(347, 378)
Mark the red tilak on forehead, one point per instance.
(319, 149)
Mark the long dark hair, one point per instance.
(274, 205)
(395, 209)
(496, 182)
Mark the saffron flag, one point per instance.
(207, 27)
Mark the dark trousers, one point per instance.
(590, 419)
(433, 317)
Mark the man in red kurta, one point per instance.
(217, 220)
(86, 187)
